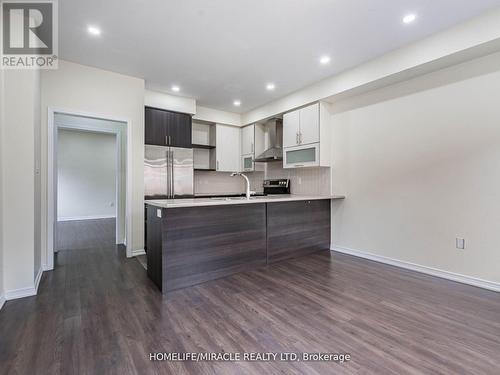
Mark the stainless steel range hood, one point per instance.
(274, 130)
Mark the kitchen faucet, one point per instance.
(248, 192)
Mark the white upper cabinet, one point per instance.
(302, 126)
(252, 145)
(306, 137)
(309, 125)
(291, 128)
(248, 140)
(228, 155)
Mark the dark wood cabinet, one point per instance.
(155, 125)
(191, 245)
(166, 128)
(179, 129)
(297, 228)
(154, 245)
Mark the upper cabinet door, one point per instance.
(155, 127)
(309, 124)
(179, 130)
(291, 128)
(165, 128)
(227, 148)
(248, 140)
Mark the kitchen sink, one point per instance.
(235, 198)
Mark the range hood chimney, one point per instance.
(274, 129)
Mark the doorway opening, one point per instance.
(88, 184)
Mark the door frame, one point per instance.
(125, 238)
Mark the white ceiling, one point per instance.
(221, 50)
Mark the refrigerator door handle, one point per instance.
(168, 175)
(172, 182)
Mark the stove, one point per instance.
(277, 186)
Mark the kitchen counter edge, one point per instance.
(202, 202)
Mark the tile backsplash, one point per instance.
(304, 181)
(206, 182)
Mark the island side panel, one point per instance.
(154, 245)
(297, 228)
(206, 243)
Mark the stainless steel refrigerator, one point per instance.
(168, 172)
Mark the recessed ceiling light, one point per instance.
(270, 86)
(237, 103)
(176, 88)
(409, 18)
(324, 60)
(94, 30)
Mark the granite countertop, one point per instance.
(200, 202)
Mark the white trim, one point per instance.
(20, 293)
(24, 292)
(48, 256)
(38, 278)
(93, 217)
(2, 301)
(138, 252)
(480, 283)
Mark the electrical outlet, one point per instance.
(300, 180)
(460, 243)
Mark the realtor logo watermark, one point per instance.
(29, 34)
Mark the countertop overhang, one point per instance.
(201, 202)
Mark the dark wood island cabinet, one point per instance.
(190, 245)
(197, 244)
(297, 228)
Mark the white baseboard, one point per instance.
(485, 284)
(46, 268)
(38, 278)
(138, 252)
(25, 292)
(94, 217)
(20, 293)
(2, 301)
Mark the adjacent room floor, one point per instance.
(97, 313)
(85, 234)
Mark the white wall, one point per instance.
(170, 102)
(217, 116)
(104, 94)
(86, 175)
(21, 257)
(420, 165)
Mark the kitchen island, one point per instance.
(191, 241)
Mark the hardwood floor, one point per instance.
(97, 313)
(85, 234)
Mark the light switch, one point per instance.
(158, 212)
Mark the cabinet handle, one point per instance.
(169, 140)
(297, 138)
(300, 137)
(252, 147)
(217, 165)
(166, 140)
